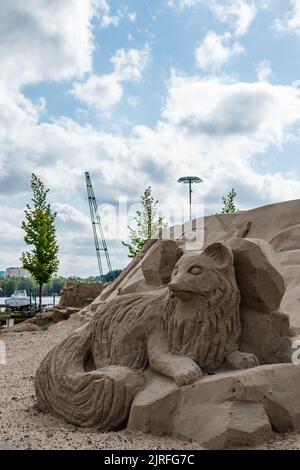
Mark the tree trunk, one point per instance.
(40, 297)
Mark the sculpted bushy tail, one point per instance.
(67, 384)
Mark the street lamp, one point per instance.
(190, 180)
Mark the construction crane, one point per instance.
(96, 224)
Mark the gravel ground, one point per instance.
(24, 427)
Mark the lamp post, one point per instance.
(190, 180)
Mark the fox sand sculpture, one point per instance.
(91, 378)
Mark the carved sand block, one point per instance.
(259, 274)
(228, 409)
(157, 268)
(180, 332)
(266, 330)
(197, 325)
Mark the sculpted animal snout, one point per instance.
(172, 286)
(181, 290)
(175, 286)
(180, 284)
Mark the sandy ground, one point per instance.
(24, 427)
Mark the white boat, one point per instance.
(19, 299)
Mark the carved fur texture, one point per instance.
(91, 378)
(206, 326)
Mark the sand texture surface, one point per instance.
(24, 427)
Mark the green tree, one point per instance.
(12, 285)
(110, 276)
(146, 224)
(39, 226)
(229, 205)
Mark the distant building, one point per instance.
(2, 273)
(17, 272)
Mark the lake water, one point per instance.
(45, 300)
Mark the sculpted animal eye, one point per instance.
(175, 271)
(195, 270)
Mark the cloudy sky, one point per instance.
(141, 92)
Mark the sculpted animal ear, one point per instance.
(220, 253)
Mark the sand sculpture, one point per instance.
(193, 327)
(74, 296)
(79, 294)
(189, 344)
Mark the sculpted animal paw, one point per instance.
(188, 376)
(251, 361)
(241, 360)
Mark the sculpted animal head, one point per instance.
(201, 314)
(201, 274)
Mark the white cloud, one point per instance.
(107, 19)
(215, 129)
(134, 101)
(237, 13)
(105, 91)
(215, 108)
(45, 40)
(101, 92)
(50, 40)
(216, 50)
(129, 65)
(291, 23)
(181, 4)
(240, 118)
(132, 16)
(264, 70)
